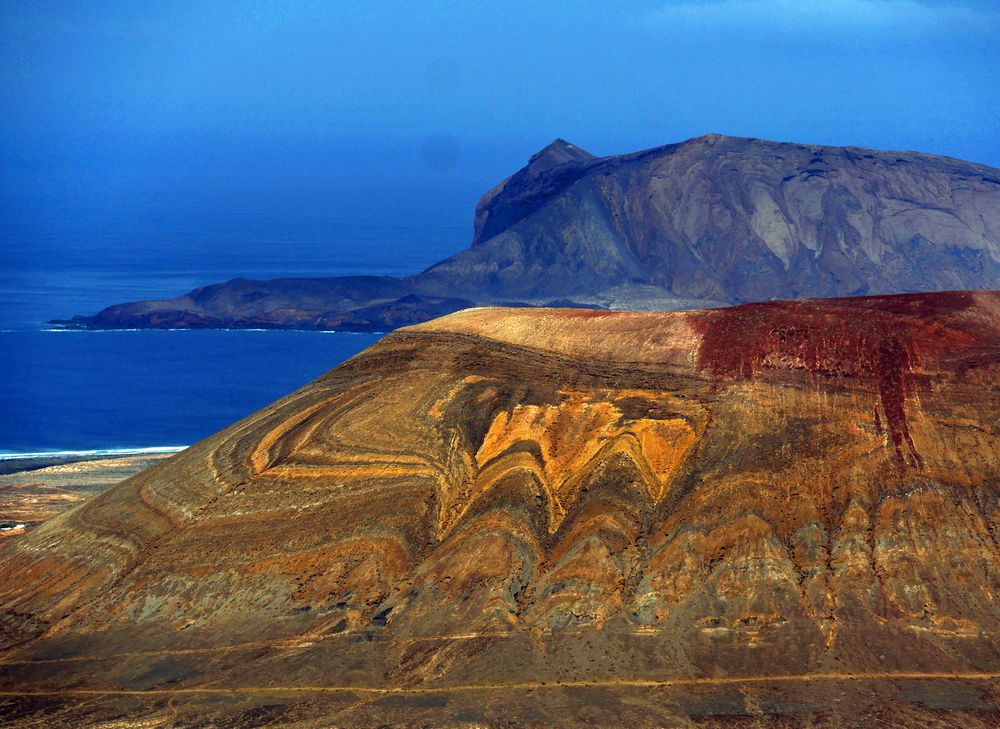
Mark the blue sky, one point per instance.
(114, 101)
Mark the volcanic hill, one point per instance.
(712, 221)
(778, 514)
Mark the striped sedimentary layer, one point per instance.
(763, 509)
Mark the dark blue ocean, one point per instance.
(71, 391)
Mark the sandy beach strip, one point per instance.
(37, 487)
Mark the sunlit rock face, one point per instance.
(545, 517)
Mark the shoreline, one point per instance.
(35, 489)
(11, 463)
(205, 329)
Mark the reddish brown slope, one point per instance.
(785, 511)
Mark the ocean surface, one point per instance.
(129, 390)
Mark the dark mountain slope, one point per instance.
(711, 221)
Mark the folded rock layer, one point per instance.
(546, 517)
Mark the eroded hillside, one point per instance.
(550, 517)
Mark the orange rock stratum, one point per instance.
(776, 514)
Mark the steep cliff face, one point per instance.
(548, 173)
(547, 517)
(715, 220)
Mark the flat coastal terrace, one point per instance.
(35, 489)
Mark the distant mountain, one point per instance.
(712, 221)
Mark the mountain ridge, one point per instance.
(786, 511)
(711, 221)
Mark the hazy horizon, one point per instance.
(158, 128)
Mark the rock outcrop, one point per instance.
(712, 221)
(780, 512)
